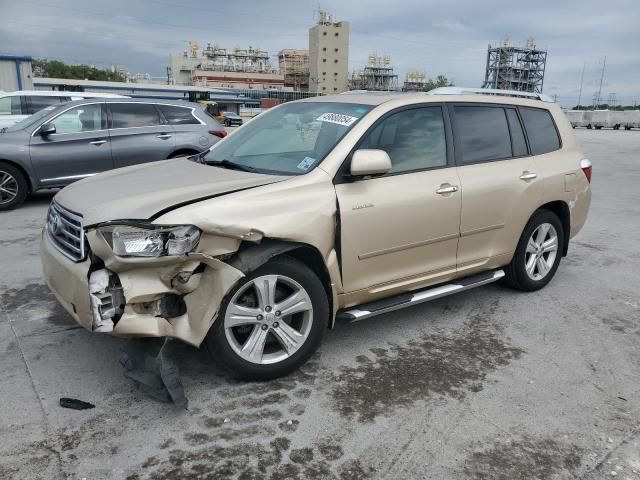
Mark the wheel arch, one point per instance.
(183, 152)
(30, 180)
(251, 256)
(561, 210)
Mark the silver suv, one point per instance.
(64, 143)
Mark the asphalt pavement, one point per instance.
(488, 384)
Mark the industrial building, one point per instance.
(377, 75)
(216, 67)
(294, 65)
(511, 67)
(15, 73)
(415, 81)
(328, 55)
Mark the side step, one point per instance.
(378, 307)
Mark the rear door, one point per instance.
(499, 183)
(138, 134)
(79, 148)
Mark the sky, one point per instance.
(445, 37)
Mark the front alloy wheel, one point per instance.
(8, 188)
(271, 322)
(13, 186)
(268, 319)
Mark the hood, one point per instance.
(142, 191)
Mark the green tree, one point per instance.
(440, 81)
(57, 69)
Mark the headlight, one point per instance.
(150, 241)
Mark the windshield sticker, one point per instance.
(306, 163)
(338, 118)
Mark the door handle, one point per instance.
(528, 175)
(164, 136)
(446, 188)
(97, 142)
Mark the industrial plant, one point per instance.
(512, 67)
(218, 67)
(377, 75)
(255, 78)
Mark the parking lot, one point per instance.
(487, 384)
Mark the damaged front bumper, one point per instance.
(176, 297)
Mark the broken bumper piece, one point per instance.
(106, 298)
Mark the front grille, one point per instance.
(65, 231)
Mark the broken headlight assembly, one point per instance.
(150, 240)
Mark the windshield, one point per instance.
(291, 139)
(32, 120)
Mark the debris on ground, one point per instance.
(75, 404)
(149, 362)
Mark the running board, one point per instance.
(378, 307)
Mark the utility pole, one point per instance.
(581, 83)
(599, 94)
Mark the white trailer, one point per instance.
(600, 119)
(576, 118)
(630, 119)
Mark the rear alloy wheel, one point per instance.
(13, 187)
(272, 321)
(541, 251)
(538, 253)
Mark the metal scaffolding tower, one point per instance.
(518, 68)
(378, 75)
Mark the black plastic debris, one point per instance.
(148, 361)
(75, 404)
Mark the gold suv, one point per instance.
(325, 210)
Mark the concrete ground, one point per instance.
(489, 384)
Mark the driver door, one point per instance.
(80, 147)
(400, 231)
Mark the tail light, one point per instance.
(218, 133)
(586, 167)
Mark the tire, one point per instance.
(227, 123)
(227, 342)
(545, 263)
(13, 187)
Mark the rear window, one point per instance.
(481, 133)
(178, 115)
(127, 115)
(10, 106)
(542, 133)
(37, 102)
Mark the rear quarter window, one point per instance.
(541, 130)
(178, 115)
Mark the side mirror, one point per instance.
(370, 162)
(47, 129)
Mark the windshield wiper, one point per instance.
(230, 165)
(198, 157)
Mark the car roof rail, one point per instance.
(489, 91)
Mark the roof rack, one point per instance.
(489, 91)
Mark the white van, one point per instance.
(16, 106)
